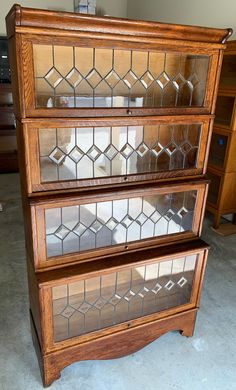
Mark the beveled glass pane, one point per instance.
(43, 59)
(83, 95)
(46, 96)
(110, 299)
(100, 77)
(122, 62)
(139, 62)
(48, 141)
(60, 54)
(103, 61)
(156, 63)
(84, 59)
(63, 93)
(83, 153)
(169, 96)
(103, 224)
(102, 95)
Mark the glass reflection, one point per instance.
(92, 304)
(84, 153)
(102, 224)
(92, 77)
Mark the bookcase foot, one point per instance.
(49, 371)
(50, 375)
(216, 222)
(188, 329)
(113, 346)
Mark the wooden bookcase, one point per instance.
(222, 161)
(8, 145)
(114, 121)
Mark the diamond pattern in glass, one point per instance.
(94, 78)
(182, 212)
(141, 219)
(142, 149)
(111, 152)
(115, 299)
(119, 78)
(157, 149)
(186, 147)
(62, 232)
(96, 226)
(171, 148)
(126, 150)
(169, 285)
(79, 229)
(127, 221)
(93, 153)
(76, 154)
(163, 80)
(155, 216)
(100, 303)
(112, 223)
(121, 296)
(143, 292)
(111, 155)
(193, 80)
(121, 220)
(147, 79)
(84, 307)
(157, 288)
(57, 156)
(182, 282)
(169, 215)
(68, 311)
(179, 81)
(74, 77)
(130, 79)
(129, 295)
(190, 85)
(53, 77)
(112, 79)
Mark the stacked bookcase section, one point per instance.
(222, 160)
(114, 121)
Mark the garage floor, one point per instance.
(206, 361)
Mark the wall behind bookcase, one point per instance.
(211, 13)
(116, 8)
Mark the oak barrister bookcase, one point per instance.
(114, 121)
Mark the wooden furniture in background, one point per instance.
(222, 159)
(8, 147)
(114, 121)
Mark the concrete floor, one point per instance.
(206, 361)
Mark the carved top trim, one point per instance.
(44, 19)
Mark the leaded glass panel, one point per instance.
(102, 301)
(93, 152)
(103, 224)
(95, 77)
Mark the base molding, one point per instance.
(111, 346)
